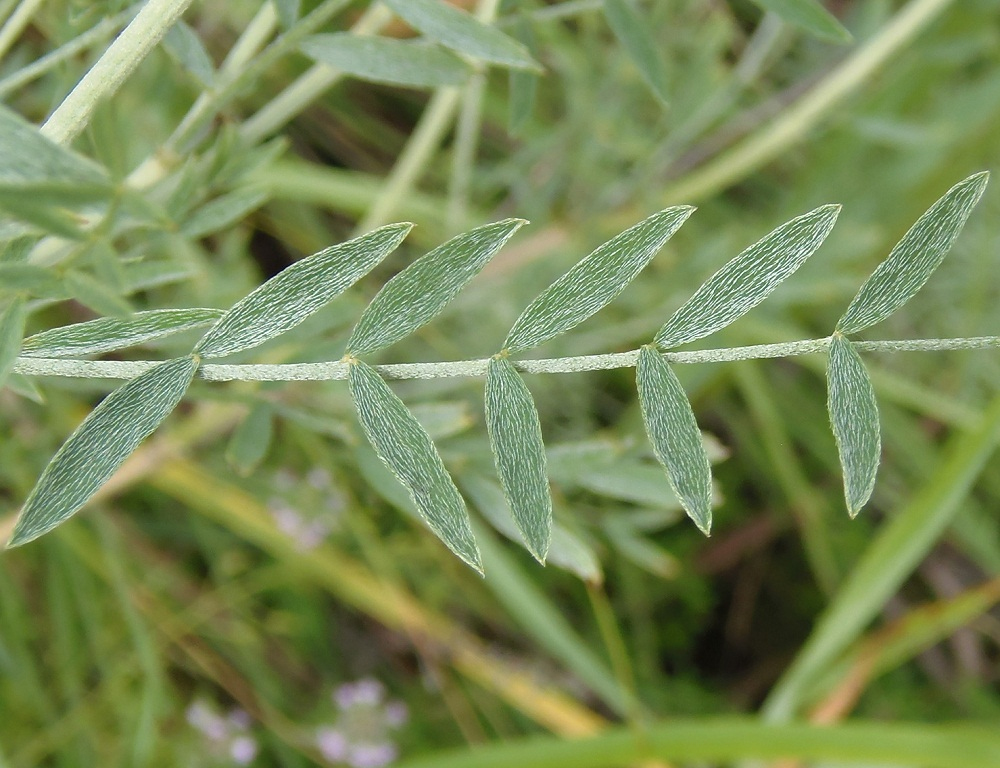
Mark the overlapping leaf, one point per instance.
(633, 32)
(516, 439)
(914, 258)
(462, 32)
(749, 278)
(293, 294)
(102, 442)
(106, 334)
(810, 15)
(251, 439)
(386, 60)
(595, 281)
(418, 293)
(223, 212)
(675, 437)
(854, 416)
(406, 449)
(11, 333)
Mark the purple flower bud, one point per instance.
(332, 744)
(243, 750)
(372, 755)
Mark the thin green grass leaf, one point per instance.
(462, 32)
(519, 454)
(385, 60)
(223, 212)
(745, 281)
(185, 47)
(100, 445)
(595, 281)
(293, 294)
(419, 293)
(811, 16)
(106, 334)
(11, 333)
(522, 85)
(914, 258)
(251, 439)
(674, 435)
(854, 416)
(407, 450)
(633, 32)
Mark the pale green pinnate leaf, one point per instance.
(96, 294)
(418, 293)
(749, 278)
(406, 449)
(100, 445)
(386, 60)
(223, 212)
(288, 11)
(106, 334)
(184, 46)
(298, 291)
(633, 32)
(914, 258)
(567, 550)
(251, 439)
(31, 278)
(595, 281)
(11, 333)
(462, 32)
(27, 157)
(854, 417)
(674, 435)
(810, 15)
(516, 439)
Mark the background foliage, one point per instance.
(255, 556)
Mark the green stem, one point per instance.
(16, 23)
(774, 139)
(114, 369)
(113, 68)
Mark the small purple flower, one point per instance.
(372, 755)
(243, 749)
(396, 714)
(360, 734)
(227, 735)
(332, 744)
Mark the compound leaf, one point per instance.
(385, 60)
(407, 450)
(100, 445)
(462, 32)
(419, 293)
(748, 279)
(516, 439)
(854, 417)
(298, 291)
(675, 437)
(106, 334)
(595, 281)
(914, 258)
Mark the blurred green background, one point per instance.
(248, 590)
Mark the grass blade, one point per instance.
(418, 293)
(595, 281)
(293, 294)
(748, 279)
(914, 258)
(11, 333)
(384, 60)
(810, 15)
(675, 436)
(462, 32)
(633, 32)
(854, 416)
(106, 334)
(406, 449)
(102, 442)
(516, 439)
